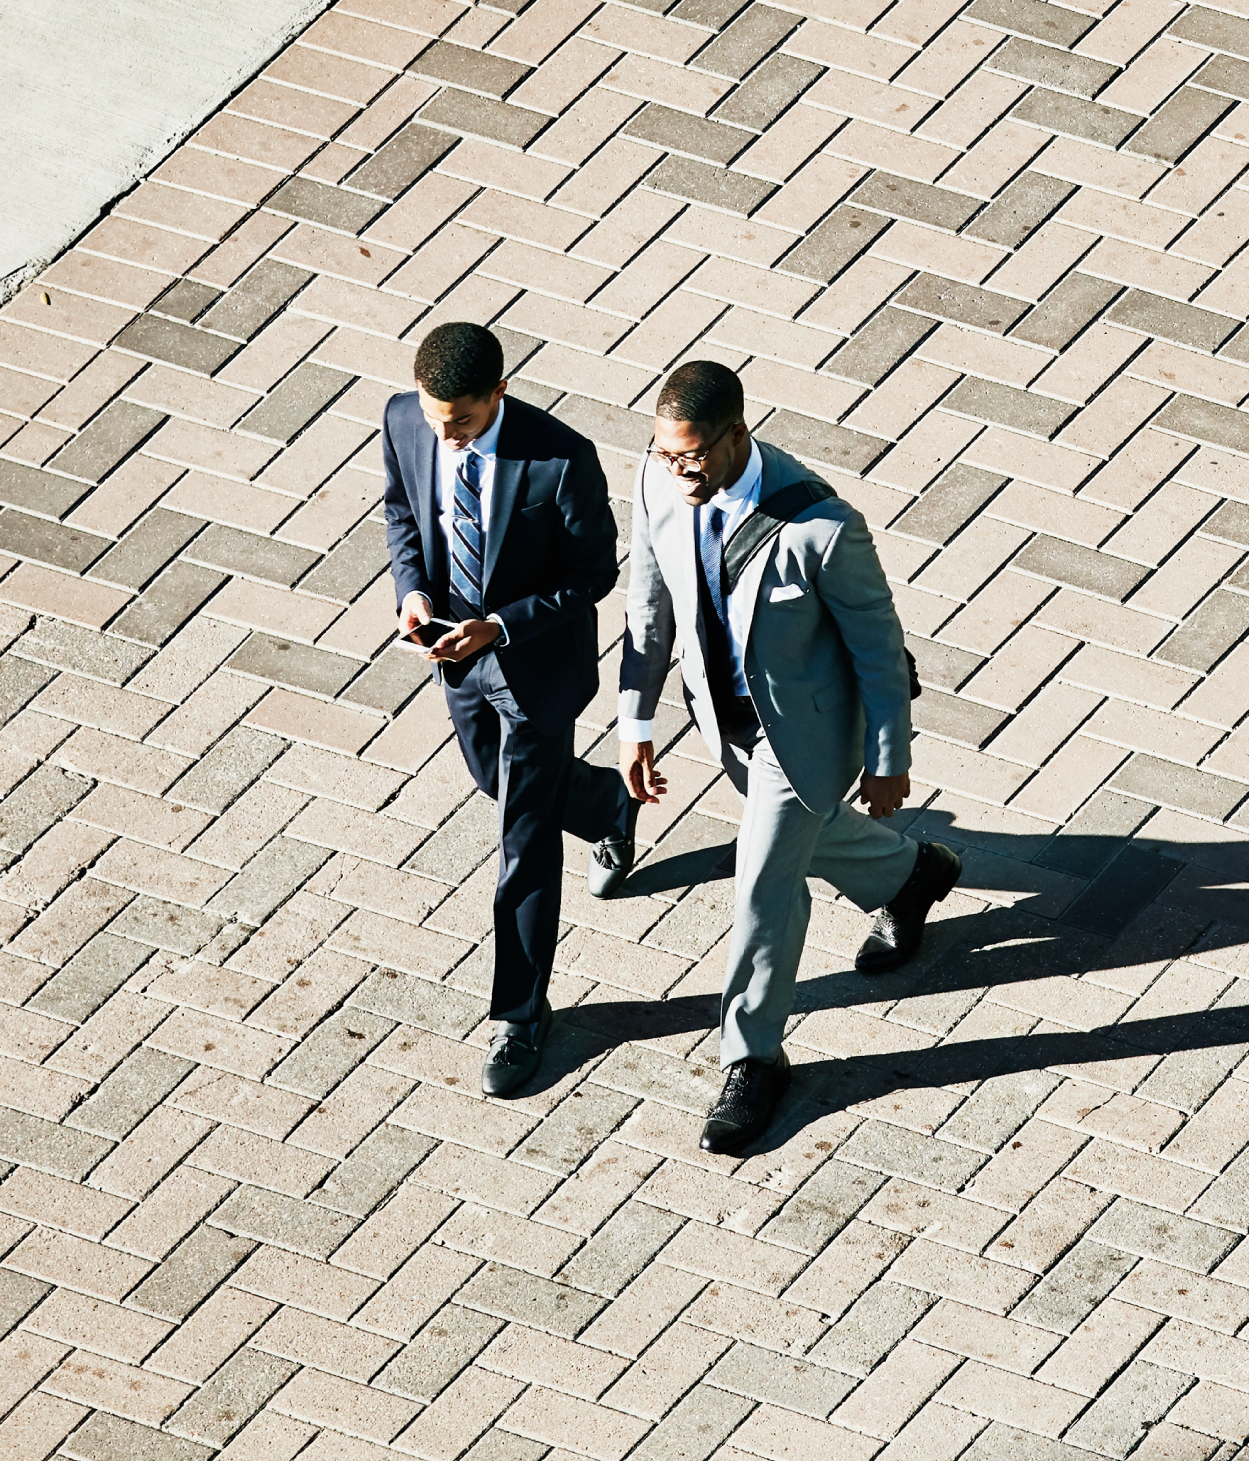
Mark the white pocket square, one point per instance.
(786, 591)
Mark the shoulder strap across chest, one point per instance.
(762, 525)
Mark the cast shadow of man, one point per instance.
(1138, 906)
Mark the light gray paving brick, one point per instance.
(266, 882)
(1071, 116)
(136, 1087)
(110, 438)
(284, 1222)
(871, 1327)
(334, 1048)
(1047, 66)
(699, 1422)
(542, 1303)
(186, 346)
(253, 301)
(437, 1354)
(146, 549)
(1006, 1443)
(718, 187)
(1115, 1423)
(104, 1437)
(304, 394)
(316, 202)
(1152, 1234)
(372, 1171)
(746, 41)
(834, 244)
(49, 1147)
(767, 91)
(1073, 1287)
(822, 1206)
(18, 1296)
(761, 1375)
(396, 165)
(873, 351)
(1178, 123)
(678, 132)
(190, 1273)
(220, 1408)
(944, 298)
(620, 1249)
(82, 652)
(167, 603)
(1051, 23)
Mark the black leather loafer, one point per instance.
(611, 860)
(746, 1105)
(899, 925)
(515, 1055)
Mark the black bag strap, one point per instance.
(762, 525)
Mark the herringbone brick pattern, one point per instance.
(980, 264)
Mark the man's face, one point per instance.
(463, 420)
(723, 452)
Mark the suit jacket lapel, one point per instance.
(751, 579)
(428, 506)
(507, 478)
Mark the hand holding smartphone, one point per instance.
(424, 636)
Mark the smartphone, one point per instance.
(423, 636)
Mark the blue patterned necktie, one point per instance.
(711, 552)
(467, 535)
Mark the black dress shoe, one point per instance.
(746, 1104)
(515, 1055)
(899, 925)
(611, 860)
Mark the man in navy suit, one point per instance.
(497, 520)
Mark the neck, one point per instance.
(490, 420)
(741, 460)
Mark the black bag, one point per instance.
(762, 525)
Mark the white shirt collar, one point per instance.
(487, 444)
(746, 485)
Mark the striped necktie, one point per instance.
(468, 537)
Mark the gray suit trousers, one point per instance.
(780, 845)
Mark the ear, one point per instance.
(499, 391)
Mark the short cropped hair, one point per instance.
(459, 359)
(703, 391)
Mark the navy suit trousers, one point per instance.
(543, 791)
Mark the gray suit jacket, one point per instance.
(824, 665)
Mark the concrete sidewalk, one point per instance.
(94, 93)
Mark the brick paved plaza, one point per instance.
(977, 263)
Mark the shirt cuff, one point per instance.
(501, 641)
(635, 730)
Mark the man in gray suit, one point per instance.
(795, 672)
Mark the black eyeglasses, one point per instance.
(688, 458)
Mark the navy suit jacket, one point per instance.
(550, 550)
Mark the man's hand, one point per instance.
(413, 611)
(465, 639)
(637, 766)
(884, 795)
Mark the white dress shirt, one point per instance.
(449, 460)
(735, 502)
